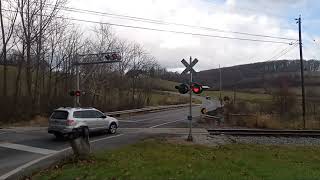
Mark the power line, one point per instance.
(69, 9)
(241, 8)
(282, 53)
(170, 31)
(179, 32)
(286, 52)
(278, 56)
(313, 41)
(134, 18)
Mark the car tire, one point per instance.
(85, 132)
(58, 136)
(203, 110)
(112, 128)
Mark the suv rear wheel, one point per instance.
(58, 136)
(113, 128)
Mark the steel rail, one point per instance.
(147, 109)
(265, 132)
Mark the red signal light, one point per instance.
(196, 88)
(77, 93)
(114, 56)
(118, 57)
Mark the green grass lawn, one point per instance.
(164, 85)
(158, 159)
(245, 96)
(164, 98)
(159, 84)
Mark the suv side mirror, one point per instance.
(103, 116)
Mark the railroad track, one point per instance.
(265, 132)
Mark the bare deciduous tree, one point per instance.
(45, 49)
(11, 16)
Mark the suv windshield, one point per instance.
(59, 115)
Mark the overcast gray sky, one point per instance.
(268, 17)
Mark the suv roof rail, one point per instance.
(68, 107)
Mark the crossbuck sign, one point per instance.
(189, 67)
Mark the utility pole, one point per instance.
(190, 138)
(234, 95)
(77, 98)
(220, 85)
(302, 75)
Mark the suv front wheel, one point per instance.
(112, 128)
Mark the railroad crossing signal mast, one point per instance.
(111, 57)
(191, 87)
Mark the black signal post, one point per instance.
(112, 57)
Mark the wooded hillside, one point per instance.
(37, 56)
(262, 74)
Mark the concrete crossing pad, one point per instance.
(177, 131)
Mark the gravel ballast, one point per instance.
(217, 140)
(271, 140)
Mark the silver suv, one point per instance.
(65, 121)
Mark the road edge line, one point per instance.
(13, 174)
(166, 123)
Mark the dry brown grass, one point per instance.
(37, 121)
(267, 121)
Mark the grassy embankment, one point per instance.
(157, 159)
(157, 97)
(242, 96)
(258, 106)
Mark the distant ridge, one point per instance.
(262, 74)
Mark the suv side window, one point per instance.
(98, 114)
(82, 114)
(60, 114)
(94, 114)
(87, 114)
(78, 114)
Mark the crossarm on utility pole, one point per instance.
(96, 62)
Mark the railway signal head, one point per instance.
(113, 57)
(196, 88)
(75, 93)
(116, 56)
(71, 93)
(183, 88)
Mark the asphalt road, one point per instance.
(22, 145)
